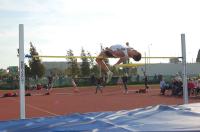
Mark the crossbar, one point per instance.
(50, 56)
(69, 57)
(135, 64)
(163, 57)
(131, 65)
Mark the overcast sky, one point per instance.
(55, 26)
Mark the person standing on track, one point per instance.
(49, 85)
(145, 81)
(75, 88)
(99, 84)
(124, 81)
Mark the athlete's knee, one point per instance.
(100, 57)
(98, 60)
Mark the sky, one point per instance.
(153, 27)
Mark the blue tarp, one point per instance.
(152, 118)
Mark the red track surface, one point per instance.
(64, 101)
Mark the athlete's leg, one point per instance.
(103, 65)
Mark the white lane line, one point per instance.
(37, 108)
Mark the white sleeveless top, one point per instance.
(118, 47)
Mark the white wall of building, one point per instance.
(169, 69)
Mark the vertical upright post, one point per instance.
(100, 71)
(145, 63)
(21, 71)
(100, 74)
(148, 60)
(184, 70)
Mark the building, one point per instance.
(62, 65)
(151, 69)
(168, 69)
(59, 66)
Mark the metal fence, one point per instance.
(82, 81)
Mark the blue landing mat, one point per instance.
(152, 118)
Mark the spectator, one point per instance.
(198, 86)
(50, 82)
(155, 78)
(191, 86)
(163, 86)
(138, 78)
(177, 88)
(178, 77)
(145, 81)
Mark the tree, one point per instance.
(198, 57)
(27, 75)
(95, 70)
(37, 68)
(3, 73)
(73, 69)
(27, 71)
(56, 72)
(91, 60)
(85, 66)
(174, 60)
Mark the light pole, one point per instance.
(145, 63)
(100, 65)
(149, 52)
